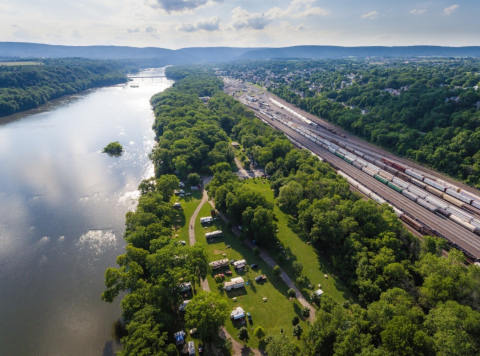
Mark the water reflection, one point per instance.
(62, 208)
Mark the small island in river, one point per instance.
(113, 149)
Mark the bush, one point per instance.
(295, 320)
(306, 312)
(280, 258)
(277, 270)
(297, 330)
(302, 281)
(297, 268)
(113, 148)
(193, 179)
(256, 251)
(291, 293)
(243, 333)
(259, 332)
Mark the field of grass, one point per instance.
(20, 63)
(182, 220)
(315, 263)
(273, 315)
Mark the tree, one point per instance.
(113, 149)
(297, 331)
(291, 293)
(259, 332)
(297, 268)
(306, 312)
(277, 270)
(256, 251)
(282, 346)
(259, 224)
(243, 334)
(207, 312)
(166, 185)
(193, 179)
(295, 320)
(290, 195)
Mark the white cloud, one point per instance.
(418, 12)
(170, 6)
(211, 24)
(150, 29)
(448, 10)
(370, 16)
(258, 21)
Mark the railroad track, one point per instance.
(455, 233)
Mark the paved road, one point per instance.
(243, 173)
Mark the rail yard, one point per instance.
(419, 197)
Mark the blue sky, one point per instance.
(241, 23)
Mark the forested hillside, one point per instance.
(24, 87)
(413, 301)
(424, 110)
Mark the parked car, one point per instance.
(254, 265)
(229, 273)
(193, 331)
(200, 348)
(232, 262)
(182, 242)
(249, 316)
(261, 277)
(188, 194)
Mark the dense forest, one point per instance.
(425, 110)
(412, 300)
(24, 87)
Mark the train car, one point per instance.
(448, 185)
(434, 191)
(341, 144)
(375, 197)
(444, 212)
(364, 190)
(452, 200)
(418, 183)
(332, 150)
(338, 154)
(471, 209)
(461, 214)
(387, 161)
(399, 167)
(403, 176)
(427, 205)
(352, 182)
(358, 153)
(344, 175)
(334, 141)
(369, 171)
(369, 158)
(342, 151)
(476, 223)
(385, 175)
(464, 224)
(350, 148)
(397, 212)
(459, 196)
(325, 146)
(434, 184)
(357, 164)
(391, 170)
(409, 195)
(335, 147)
(373, 167)
(348, 160)
(419, 192)
(414, 174)
(394, 187)
(417, 226)
(471, 196)
(437, 202)
(380, 179)
(379, 164)
(361, 161)
(399, 182)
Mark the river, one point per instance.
(62, 215)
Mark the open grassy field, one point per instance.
(182, 220)
(315, 263)
(277, 312)
(20, 63)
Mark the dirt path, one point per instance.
(271, 262)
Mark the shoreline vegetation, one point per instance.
(114, 149)
(411, 299)
(24, 87)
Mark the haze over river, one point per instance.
(62, 215)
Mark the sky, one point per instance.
(241, 23)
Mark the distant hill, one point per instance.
(340, 52)
(163, 56)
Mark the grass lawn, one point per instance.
(274, 314)
(182, 220)
(315, 263)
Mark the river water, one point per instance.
(62, 215)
